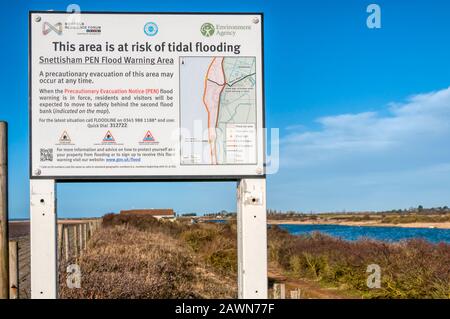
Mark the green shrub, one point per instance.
(409, 269)
(197, 238)
(224, 261)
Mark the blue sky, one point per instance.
(364, 114)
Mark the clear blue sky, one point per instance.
(364, 114)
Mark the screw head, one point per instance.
(255, 20)
(37, 19)
(37, 172)
(259, 171)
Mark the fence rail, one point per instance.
(279, 292)
(74, 238)
(13, 270)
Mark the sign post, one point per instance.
(44, 275)
(4, 255)
(151, 97)
(252, 239)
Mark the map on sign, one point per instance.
(218, 110)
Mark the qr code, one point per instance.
(46, 154)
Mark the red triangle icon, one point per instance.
(108, 137)
(148, 137)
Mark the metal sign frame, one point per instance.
(124, 178)
(251, 207)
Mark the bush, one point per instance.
(122, 263)
(224, 261)
(410, 269)
(197, 238)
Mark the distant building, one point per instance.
(157, 213)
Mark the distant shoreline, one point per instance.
(442, 225)
(438, 225)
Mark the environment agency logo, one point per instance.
(207, 29)
(151, 29)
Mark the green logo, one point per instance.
(207, 29)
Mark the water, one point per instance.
(219, 221)
(389, 234)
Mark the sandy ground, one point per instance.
(18, 229)
(309, 289)
(444, 225)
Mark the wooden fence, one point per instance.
(73, 238)
(279, 292)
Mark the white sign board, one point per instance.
(142, 95)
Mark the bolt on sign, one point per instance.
(144, 95)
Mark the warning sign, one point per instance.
(108, 138)
(148, 137)
(146, 95)
(65, 138)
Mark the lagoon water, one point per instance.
(389, 234)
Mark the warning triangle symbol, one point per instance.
(65, 137)
(108, 137)
(148, 137)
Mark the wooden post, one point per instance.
(4, 256)
(60, 241)
(75, 240)
(13, 270)
(80, 235)
(85, 236)
(279, 291)
(90, 229)
(276, 291)
(296, 293)
(66, 243)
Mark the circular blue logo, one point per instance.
(151, 29)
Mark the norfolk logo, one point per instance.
(47, 28)
(207, 29)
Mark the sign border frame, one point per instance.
(143, 178)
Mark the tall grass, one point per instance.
(409, 269)
(141, 257)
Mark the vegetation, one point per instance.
(409, 269)
(412, 215)
(141, 257)
(415, 218)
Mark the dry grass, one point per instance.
(145, 259)
(409, 269)
(140, 257)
